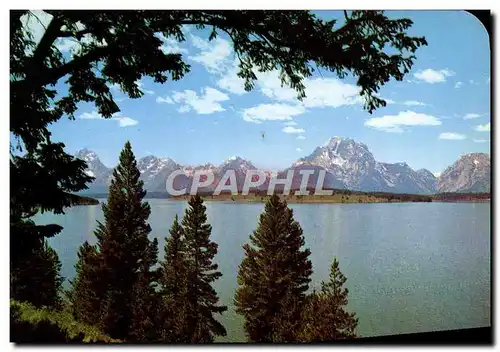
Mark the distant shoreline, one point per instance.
(293, 199)
(77, 200)
(339, 197)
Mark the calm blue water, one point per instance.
(411, 267)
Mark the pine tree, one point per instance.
(125, 256)
(201, 296)
(173, 281)
(34, 266)
(325, 317)
(35, 277)
(274, 275)
(87, 289)
(146, 300)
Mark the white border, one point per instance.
(192, 4)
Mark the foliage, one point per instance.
(35, 271)
(29, 324)
(451, 196)
(273, 276)
(174, 285)
(324, 316)
(202, 272)
(86, 290)
(114, 281)
(82, 200)
(34, 266)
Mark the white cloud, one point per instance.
(170, 45)
(167, 100)
(36, 21)
(214, 54)
(472, 116)
(114, 86)
(71, 45)
(393, 123)
(452, 136)
(301, 137)
(483, 128)
(481, 140)
(272, 112)
(414, 103)
(433, 76)
(183, 109)
(458, 84)
(290, 123)
(320, 92)
(90, 115)
(298, 149)
(231, 82)
(329, 92)
(126, 121)
(437, 174)
(291, 129)
(207, 103)
(141, 87)
(123, 121)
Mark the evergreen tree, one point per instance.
(273, 276)
(288, 324)
(42, 266)
(87, 289)
(146, 301)
(201, 296)
(173, 281)
(34, 266)
(122, 269)
(325, 317)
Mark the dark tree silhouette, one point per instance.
(122, 276)
(324, 316)
(273, 276)
(87, 291)
(35, 276)
(173, 285)
(34, 266)
(202, 272)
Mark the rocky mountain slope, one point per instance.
(354, 167)
(470, 173)
(347, 163)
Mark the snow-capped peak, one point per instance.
(87, 155)
(153, 165)
(237, 162)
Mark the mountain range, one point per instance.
(348, 165)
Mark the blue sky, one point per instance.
(438, 113)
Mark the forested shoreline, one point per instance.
(338, 196)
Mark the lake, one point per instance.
(410, 267)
